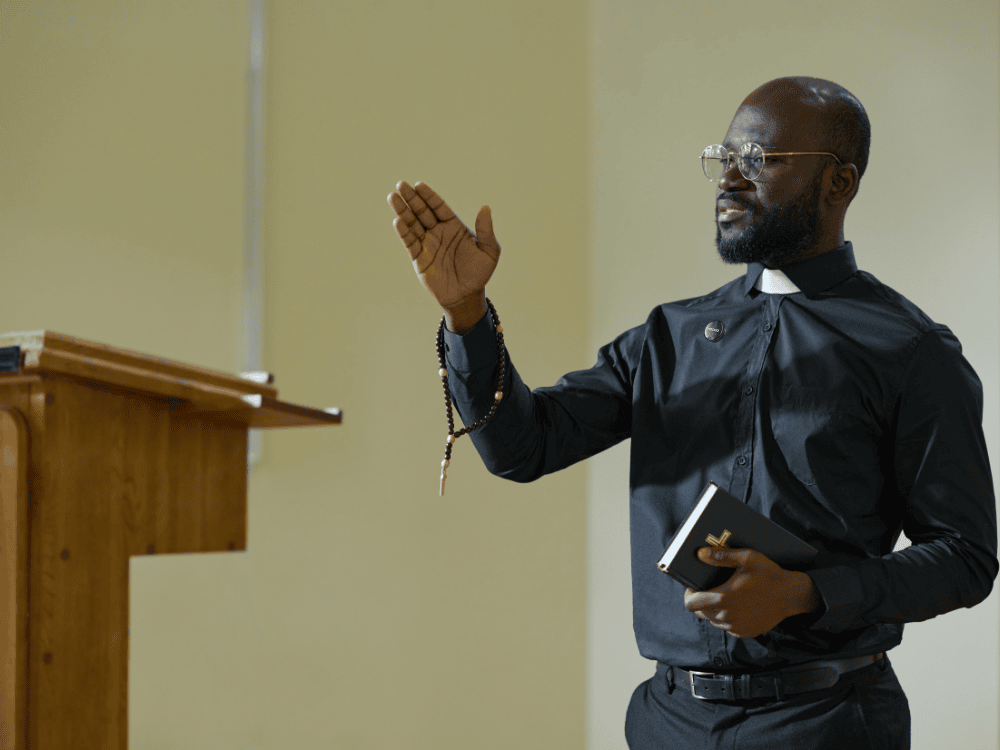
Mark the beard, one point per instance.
(775, 237)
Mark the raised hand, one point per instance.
(452, 263)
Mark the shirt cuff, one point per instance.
(473, 351)
(840, 589)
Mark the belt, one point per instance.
(801, 678)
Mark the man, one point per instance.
(806, 388)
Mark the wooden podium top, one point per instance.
(249, 398)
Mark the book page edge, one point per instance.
(685, 529)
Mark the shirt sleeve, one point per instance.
(942, 475)
(534, 433)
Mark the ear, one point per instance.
(843, 184)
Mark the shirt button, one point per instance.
(749, 390)
(718, 661)
(767, 326)
(742, 460)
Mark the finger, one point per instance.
(723, 558)
(704, 600)
(717, 621)
(409, 239)
(417, 205)
(403, 212)
(434, 202)
(713, 618)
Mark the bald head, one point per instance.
(816, 91)
(815, 136)
(834, 115)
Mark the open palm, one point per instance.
(451, 262)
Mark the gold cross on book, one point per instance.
(718, 541)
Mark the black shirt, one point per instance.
(842, 412)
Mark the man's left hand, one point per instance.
(759, 595)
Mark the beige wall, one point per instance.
(368, 612)
(121, 179)
(393, 617)
(667, 79)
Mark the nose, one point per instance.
(732, 179)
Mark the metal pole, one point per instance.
(253, 261)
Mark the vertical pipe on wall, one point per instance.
(253, 280)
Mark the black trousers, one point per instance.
(865, 709)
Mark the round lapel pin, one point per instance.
(715, 330)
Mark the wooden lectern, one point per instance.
(106, 454)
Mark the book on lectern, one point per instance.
(720, 520)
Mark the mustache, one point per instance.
(735, 198)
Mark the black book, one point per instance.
(720, 520)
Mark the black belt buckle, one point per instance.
(691, 675)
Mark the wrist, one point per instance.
(805, 598)
(462, 316)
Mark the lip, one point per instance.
(729, 204)
(728, 211)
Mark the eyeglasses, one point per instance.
(716, 160)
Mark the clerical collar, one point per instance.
(773, 281)
(811, 276)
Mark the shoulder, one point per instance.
(875, 318)
(929, 351)
(894, 305)
(663, 323)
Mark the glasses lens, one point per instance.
(751, 160)
(715, 161)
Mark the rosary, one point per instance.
(443, 372)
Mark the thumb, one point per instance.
(723, 558)
(484, 232)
